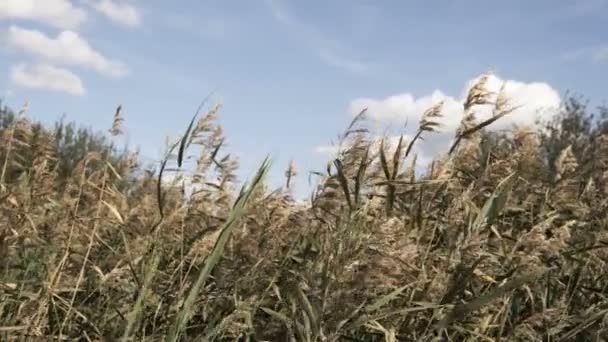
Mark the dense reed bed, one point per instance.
(503, 238)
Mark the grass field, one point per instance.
(503, 238)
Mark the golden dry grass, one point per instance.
(483, 247)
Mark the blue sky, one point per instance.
(289, 74)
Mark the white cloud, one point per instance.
(46, 76)
(397, 109)
(57, 13)
(121, 13)
(68, 48)
(536, 99)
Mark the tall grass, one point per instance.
(484, 246)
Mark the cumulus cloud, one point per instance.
(57, 13)
(397, 109)
(534, 100)
(68, 48)
(122, 13)
(46, 76)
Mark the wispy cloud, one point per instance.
(68, 48)
(56, 13)
(574, 9)
(590, 53)
(46, 76)
(601, 55)
(210, 27)
(584, 7)
(331, 51)
(8, 93)
(575, 54)
(354, 66)
(122, 13)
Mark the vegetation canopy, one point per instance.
(503, 238)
